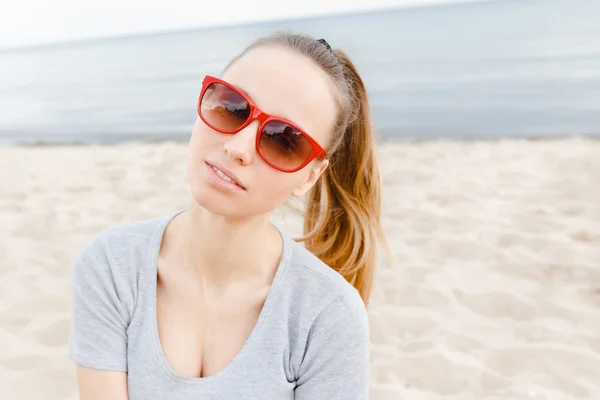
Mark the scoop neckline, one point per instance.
(261, 322)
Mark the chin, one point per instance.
(227, 204)
(211, 200)
(217, 208)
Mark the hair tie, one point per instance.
(325, 43)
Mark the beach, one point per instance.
(496, 293)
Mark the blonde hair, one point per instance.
(342, 221)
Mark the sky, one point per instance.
(33, 22)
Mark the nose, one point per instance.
(242, 145)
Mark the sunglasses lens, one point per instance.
(284, 146)
(223, 108)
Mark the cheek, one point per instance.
(199, 145)
(193, 150)
(201, 140)
(194, 138)
(274, 187)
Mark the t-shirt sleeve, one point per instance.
(336, 360)
(99, 319)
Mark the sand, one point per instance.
(497, 295)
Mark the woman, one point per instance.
(215, 302)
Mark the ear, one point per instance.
(311, 179)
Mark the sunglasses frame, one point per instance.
(263, 118)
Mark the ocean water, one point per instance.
(484, 69)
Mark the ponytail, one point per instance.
(342, 221)
(343, 211)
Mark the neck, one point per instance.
(223, 250)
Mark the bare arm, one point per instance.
(100, 385)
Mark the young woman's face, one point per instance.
(281, 83)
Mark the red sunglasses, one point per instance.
(283, 145)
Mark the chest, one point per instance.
(199, 336)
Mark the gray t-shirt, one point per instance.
(311, 340)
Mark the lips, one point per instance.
(225, 174)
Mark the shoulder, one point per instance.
(317, 291)
(318, 280)
(116, 241)
(115, 255)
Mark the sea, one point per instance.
(472, 70)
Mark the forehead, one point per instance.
(289, 85)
